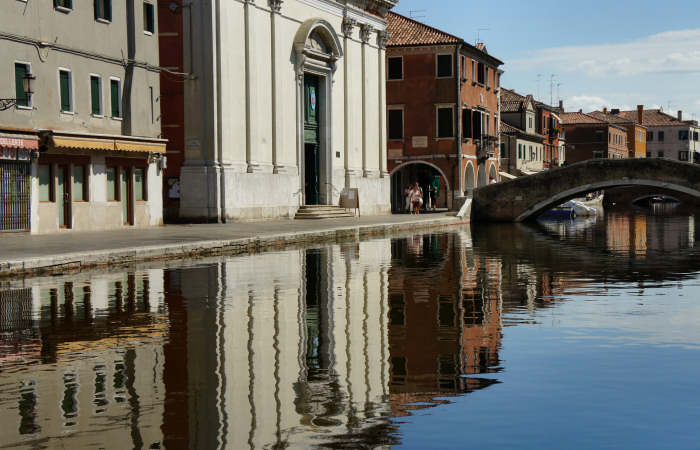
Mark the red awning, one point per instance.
(17, 146)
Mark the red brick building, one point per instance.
(172, 101)
(442, 111)
(588, 137)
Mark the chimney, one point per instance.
(561, 105)
(580, 111)
(680, 116)
(640, 114)
(605, 110)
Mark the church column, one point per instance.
(365, 33)
(382, 38)
(348, 25)
(275, 8)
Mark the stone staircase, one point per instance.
(322, 212)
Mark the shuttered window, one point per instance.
(115, 95)
(139, 184)
(111, 184)
(79, 184)
(96, 95)
(45, 183)
(68, 4)
(20, 71)
(395, 68)
(444, 66)
(66, 94)
(149, 23)
(103, 10)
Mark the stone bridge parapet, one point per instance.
(527, 197)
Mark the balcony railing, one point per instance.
(486, 146)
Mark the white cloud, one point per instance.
(587, 103)
(667, 52)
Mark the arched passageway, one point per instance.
(493, 175)
(469, 179)
(481, 177)
(426, 175)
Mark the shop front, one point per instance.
(98, 182)
(16, 151)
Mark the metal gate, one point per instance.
(15, 180)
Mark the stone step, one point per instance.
(322, 212)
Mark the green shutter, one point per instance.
(69, 4)
(65, 91)
(111, 184)
(98, 9)
(95, 95)
(139, 184)
(44, 183)
(114, 89)
(108, 10)
(20, 72)
(78, 183)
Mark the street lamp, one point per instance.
(27, 87)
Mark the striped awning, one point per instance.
(108, 143)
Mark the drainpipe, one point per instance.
(129, 68)
(458, 186)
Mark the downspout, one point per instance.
(458, 184)
(129, 68)
(221, 208)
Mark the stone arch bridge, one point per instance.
(526, 198)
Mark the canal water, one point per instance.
(555, 335)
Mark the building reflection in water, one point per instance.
(296, 348)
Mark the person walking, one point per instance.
(416, 197)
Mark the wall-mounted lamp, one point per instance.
(27, 86)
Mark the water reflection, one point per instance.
(302, 347)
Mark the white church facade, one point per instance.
(286, 107)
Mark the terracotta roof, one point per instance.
(507, 107)
(510, 129)
(572, 118)
(611, 118)
(511, 101)
(654, 117)
(404, 31)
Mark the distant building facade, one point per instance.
(284, 107)
(636, 132)
(667, 136)
(442, 110)
(588, 137)
(80, 147)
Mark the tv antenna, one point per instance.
(558, 92)
(478, 34)
(416, 14)
(551, 88)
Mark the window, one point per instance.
(599, 135)
(445, 123)
(79, 185)
(683, 156)
(476, 124)
(598, 155)
(502, 153)
(532, 154)
(488, 76)
(520, 151)
(529, 121)
(481, 73)
(444, 66)
(96, 95)
(23, 97)
(473, 70)
(661, 136)
(103, 10)
(112, 192)
(45, 183)
(395, 124)
(466, 123)
(464, 67)
(397, 313)
(660, 154)
(63, 5)
(149, 22)
(66, 90)
(695, 136)
(139, 184)
(682, 135)
(498, 80)
(395, 68)
(116, 97)
(447, 316)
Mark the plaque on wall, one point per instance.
(395, 153)
(420, 142)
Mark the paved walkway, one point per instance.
(24, 253)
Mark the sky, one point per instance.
(593, 54)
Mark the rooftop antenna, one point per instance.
(551, 88)
(558, 92)
(416, 14)
(478, 34)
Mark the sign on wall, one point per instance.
(420, 142)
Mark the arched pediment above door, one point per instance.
(317, 43)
